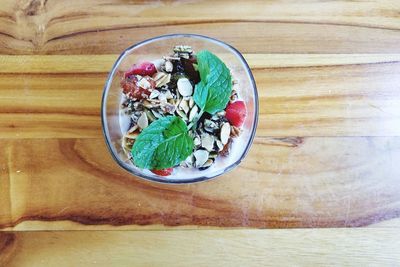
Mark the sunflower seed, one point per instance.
(221, 113)
(185, 88)
(225, 132)
(184, 106)
(156, 114)
(147, 104)
(201, 157)
(182, 114)
(168, 66)
(133, 128)
(233, 96)
(191, 102)
(183, 49)
(162, 78)
(207, 141)
(143, 122)
(150, 116)
(219, 145)
(193, 113)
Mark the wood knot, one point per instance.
(33, 7)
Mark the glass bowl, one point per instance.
(155, 48)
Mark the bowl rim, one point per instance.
(167, 180)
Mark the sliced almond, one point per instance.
(207, 141)
(225, 132)
(219, 145)
(143, 122)
(193, 113)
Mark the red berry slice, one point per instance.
(143, 69)
(132, 90)
(236, 113)
(163, 172)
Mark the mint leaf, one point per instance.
(213, 91)
(163, 144)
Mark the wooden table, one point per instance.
(326, 155)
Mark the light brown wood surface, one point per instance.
(325, 154)
(300, 247)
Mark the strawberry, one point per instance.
(163, 172)
(144, 69)
(236, 113)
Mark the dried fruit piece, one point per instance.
(163, 172)
(236, 113)
(144, 69)
(132, 90)
(193, 74)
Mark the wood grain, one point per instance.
(105, 26)
(287, 182)
(313, 247)
(299, 95)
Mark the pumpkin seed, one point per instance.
(154, 94)
(185, 88)
(207, 164)
(201, 157)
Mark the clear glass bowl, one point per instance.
(153, 49)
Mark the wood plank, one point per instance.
(289, 182)
(102, 27)
(312, 247)
(300, 95)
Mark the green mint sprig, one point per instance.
(163, 144)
